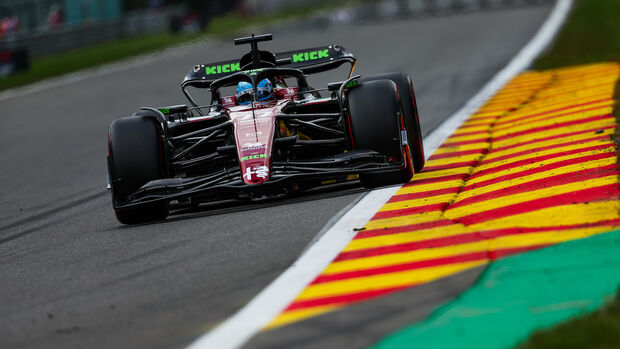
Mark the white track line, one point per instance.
(276, 297)
(268, 304)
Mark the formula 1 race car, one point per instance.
(272, 135)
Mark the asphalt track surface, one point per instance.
(72, 277)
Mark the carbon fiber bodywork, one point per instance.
(297, 140)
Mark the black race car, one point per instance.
(277, 136)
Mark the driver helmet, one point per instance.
(244, 91)
(264, 89)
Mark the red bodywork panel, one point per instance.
(254, 127)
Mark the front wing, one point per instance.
(285, 177)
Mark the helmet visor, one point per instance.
(263, 93)
(244, 97)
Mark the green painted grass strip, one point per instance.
(520, 294)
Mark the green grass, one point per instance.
(598, 330)
(92, 56)
(592, 34)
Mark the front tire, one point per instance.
(410, 114)
(374, 111)
(136, 156)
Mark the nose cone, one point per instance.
(254, 131)
(254, 164)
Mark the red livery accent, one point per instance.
(254, 130)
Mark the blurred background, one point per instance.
(35, 28)
(50, 26)
(36, 16)
(32, 31)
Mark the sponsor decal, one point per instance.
(164, 111)
(252, 146)
(285, 92)
(228, 101)
(254, 157)
(351, 84)
(259, 171)
(310, 56)
(254, 71)
(246, 122)
(252, 122)
(224, 68)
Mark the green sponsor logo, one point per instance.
(164, 111)
(253, 71)
(254, 157)
(351, 84)
(309, 56)
(224, 68)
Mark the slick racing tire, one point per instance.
(374, 109)
(136, 156)
(410, 114)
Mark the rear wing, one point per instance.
(309, 61)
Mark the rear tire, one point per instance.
(136, 157)
(410, 114)
(374, 109)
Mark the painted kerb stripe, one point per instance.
(480, 222)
